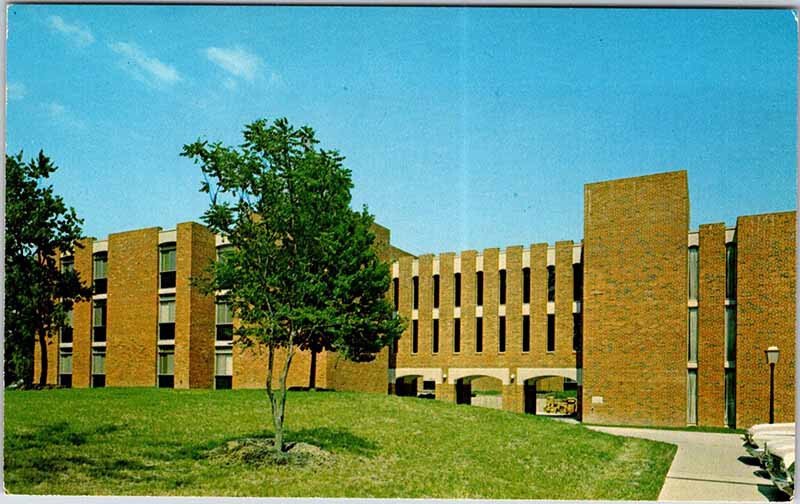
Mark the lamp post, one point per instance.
(772, 358)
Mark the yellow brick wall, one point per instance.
(132, 308)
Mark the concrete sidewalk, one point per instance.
(707, 467)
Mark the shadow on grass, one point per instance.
(335, 440)
(59, 433)
(332, 440)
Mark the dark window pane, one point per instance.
(99, 334)
(456, 335)
(479, 335)
(166, 331)
(526, 333)
(458, 289)
(225, 332)
(167, 280)
(100, 286)
(479, 288)
(577, 331)
(223, 382)
(577, 279)
(396, 293)
(435, 336)
(166, 381)
(551, 333)
(416, 292)
(526, 285)
(65, 380)
(414, 336)
(730, 271)
(501, 337)
(66, 335)
(502, 286)
(551, 283)
(436, 291)
(98, 381)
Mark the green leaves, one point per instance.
(304, 271)
(39, 226)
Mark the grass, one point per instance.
(157, 442)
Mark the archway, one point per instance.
(480, 390)
(551, 395)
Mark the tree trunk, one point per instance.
(312, 379)
(43, 348)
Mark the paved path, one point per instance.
(707, 467)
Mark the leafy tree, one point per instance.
(301, 273)
(39, 295)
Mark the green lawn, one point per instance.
(149, 441)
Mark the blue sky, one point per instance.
(464, 128)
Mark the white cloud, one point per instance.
(16, 91)
(78, 34)
(60, 114)
(148, 69)
(236, 61)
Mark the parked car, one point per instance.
(764, 428)
(755, 440)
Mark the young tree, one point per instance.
(301, 273)
(39, 295)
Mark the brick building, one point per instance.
(649, 322)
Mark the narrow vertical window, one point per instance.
(416, 292)
(479, 288)
(457, 281)
(166, 366)
(551, 332)
(694, 276)
(691, 397)
(692, 334)
(730, 397)
(65, 367)
(730, 271)
(98, 321)
(414, 336)
(396, 293)
(551, 283)
(223, 369)
(167, 265)
(99, 272)
(456, 335)
(501, 334)
(99, 367)
(67, 264)
(479, 334)
(526, 333)
(577, 331)
(66, 331)
(436, 291)
(224, 320)
(526, 285)
(435, 335)
(166, 318)
(730, 333)
(577, 282)
(502, 287)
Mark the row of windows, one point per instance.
(167, 267)
(526, 287)
(223, 367)
(501, 334)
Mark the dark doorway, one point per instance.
(406, 386)
(463, 392)
(529, 389)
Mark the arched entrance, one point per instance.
(480, 390)
(551, 395)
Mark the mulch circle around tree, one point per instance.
(261, 452)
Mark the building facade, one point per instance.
(650, 323)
